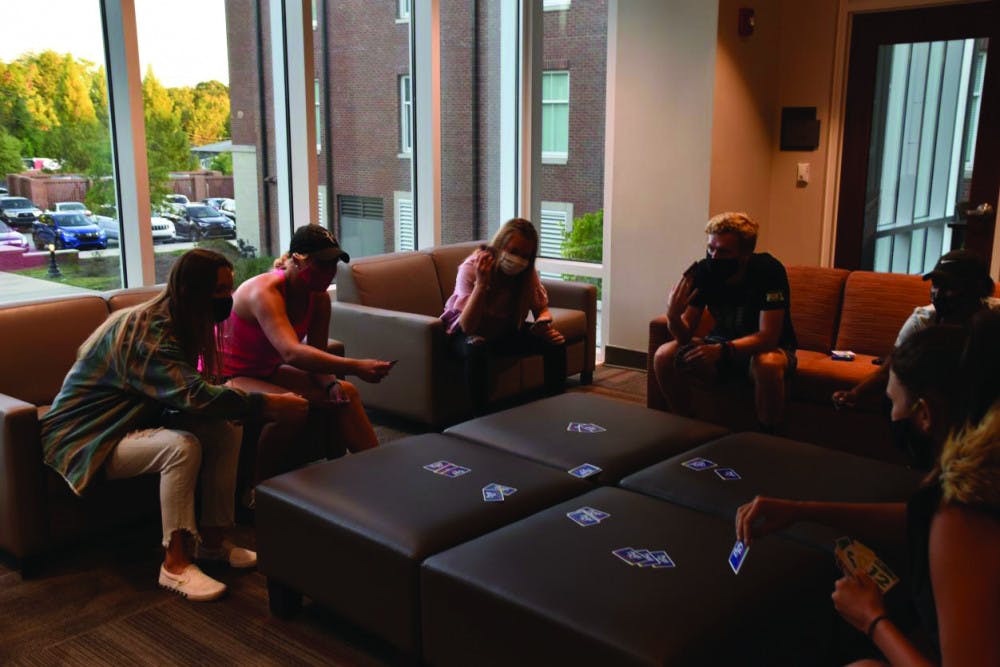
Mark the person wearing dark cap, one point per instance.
(275, 341)
(960, 288)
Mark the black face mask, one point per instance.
(221, 307)
(720, 270)
(917, 445)
(947, 306)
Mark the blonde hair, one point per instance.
(738, 223)
(523, 281)
(970, 464)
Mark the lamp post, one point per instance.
(54, 271)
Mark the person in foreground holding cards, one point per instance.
(960, 289)
(747, 295)
(136, 402)
(496, 287)
(276, 341)
(943, 389)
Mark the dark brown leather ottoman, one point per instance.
(351, 533)
(627, 437)
(546, 591)
(777, 467)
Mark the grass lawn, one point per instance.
(78, 276)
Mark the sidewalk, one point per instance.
(15, 287)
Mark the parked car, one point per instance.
(224, 205)
(200, 222)
(3, 191)
(10, 237)
(70, 206)
(68, 230)
(176, 203)
(18, 212)
(162, 228)
(110, 227)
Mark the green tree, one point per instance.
(223, 162)
(167, 146)
(585, 242)
(10, 154)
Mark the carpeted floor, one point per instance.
(98, 603)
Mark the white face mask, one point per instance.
(512, 264)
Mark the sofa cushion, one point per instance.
(818, 376)
(132, 296)
(875, 307)
(447, 259)
(815, 303)
(51, 331)
(570, 323)
(404, 281)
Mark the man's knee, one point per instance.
(769, 367)
(663, 358)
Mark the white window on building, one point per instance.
(556, 220)
(406, 238)
(555, 5)
(405, 116)
(555, 117)
(402, 10)
(319, 116)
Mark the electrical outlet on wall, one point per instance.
(802, 174)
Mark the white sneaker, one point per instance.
(192, 583)
(237, 557)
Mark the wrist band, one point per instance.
(875, 622)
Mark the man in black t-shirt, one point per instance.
(747, 295)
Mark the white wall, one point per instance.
(661, 72)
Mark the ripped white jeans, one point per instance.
(190, 444)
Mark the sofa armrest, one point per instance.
(578, 296)
(23, 511)
(418, 342)
(659, 333)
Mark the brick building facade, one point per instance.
(361, 52)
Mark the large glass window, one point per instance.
(56, 187)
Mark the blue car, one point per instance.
(68, 230)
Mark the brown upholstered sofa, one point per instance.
(832, 309)
(388, 307)
(38, 511)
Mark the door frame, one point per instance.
(844, 241)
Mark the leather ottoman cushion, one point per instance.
(545, 591)
(351, 533)
(634, 436)
(775, 467)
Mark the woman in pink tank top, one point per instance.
(275, 341)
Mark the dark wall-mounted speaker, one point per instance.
(799, 129)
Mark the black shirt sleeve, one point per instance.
(774, 291)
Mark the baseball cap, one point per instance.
(961, 267)
(317, 241)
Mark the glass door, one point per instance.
(920, 167)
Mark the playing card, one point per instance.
(624, 554)
(661, 558)
(585, 470)
(574, 427)
(454, 471)
(581, 518)
(436, 466)
(642, 558)
(737, 556)
(507, 490)
(492, 495)
(728, 474)
(698, 464)
(597, 514)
